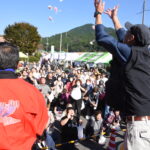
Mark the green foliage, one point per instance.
(76, 40)
(23, 35)
(38, 55)
(23, 59)
(35, 58)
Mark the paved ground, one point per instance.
(92, 145)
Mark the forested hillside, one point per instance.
(79, 39)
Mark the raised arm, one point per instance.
(99, 9)
(65, 119)
(113, 14)
(120, 50)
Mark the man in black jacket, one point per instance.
(132, 52)
(69, 125)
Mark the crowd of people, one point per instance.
(53, 105)
(71, 94)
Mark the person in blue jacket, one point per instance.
(132, 52)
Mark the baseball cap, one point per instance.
(141, 33)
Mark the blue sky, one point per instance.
(72, 13)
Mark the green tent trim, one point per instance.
(101, 57)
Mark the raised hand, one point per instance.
(96, 2)
(112, 12)
(99, 5)
(68, 116)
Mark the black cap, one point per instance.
(141, 33)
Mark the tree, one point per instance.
(23, 35)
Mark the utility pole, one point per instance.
(67, 41)
(143, 16)
(67, 47)
(60, 43)
(47, 44)
(143, 11)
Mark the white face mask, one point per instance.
(78, 83)
(88, 83)
(92, 79)
(59, 79)
(71, 79)
(61, 103)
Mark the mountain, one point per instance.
(80, 39)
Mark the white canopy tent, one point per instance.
(22, 55)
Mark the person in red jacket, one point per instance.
(23, 113)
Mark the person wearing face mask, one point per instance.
(88, 87)
(91, 102)
(59, 108)
(58, 86)
(69, 84)
(76, 96)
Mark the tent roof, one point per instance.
(96, 57)
(22, 55)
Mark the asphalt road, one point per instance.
(93, 145)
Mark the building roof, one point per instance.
(2, 38)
